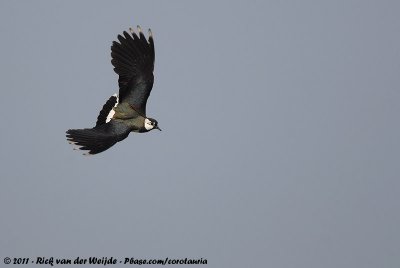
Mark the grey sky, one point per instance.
(280, 142)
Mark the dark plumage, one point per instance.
(100, 138)
(133, 61)
(101, 119)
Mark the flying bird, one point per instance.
(133, 60)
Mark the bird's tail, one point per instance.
(98, 139)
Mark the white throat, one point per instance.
(147, 124)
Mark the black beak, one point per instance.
(158, 128)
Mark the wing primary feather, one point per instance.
(133, 61)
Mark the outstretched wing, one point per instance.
(104, 115)
(133, 61)
(100, 138)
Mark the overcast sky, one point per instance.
(280, 142)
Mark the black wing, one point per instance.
(133, 61)
(105, 111)
(100, 138)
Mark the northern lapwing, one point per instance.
(123, 113)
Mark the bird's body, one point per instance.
(124, 113)
(133, 60)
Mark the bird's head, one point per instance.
(150, 123)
